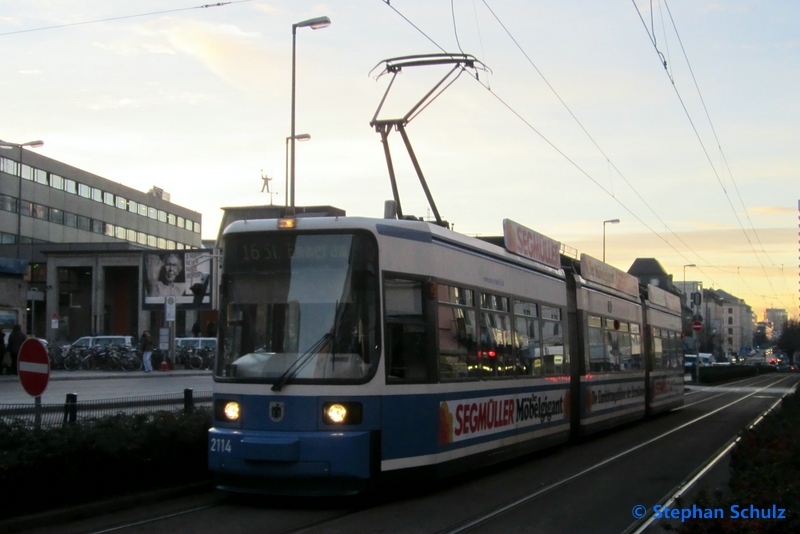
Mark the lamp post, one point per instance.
(610, 221)
(315, 24)
(300, 137)
(19, 146)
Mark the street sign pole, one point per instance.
(33, 367)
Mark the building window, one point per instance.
(730, 330)
(84, 223)
(162, 243)
(27, 172)
(143, 210)
(97, 195)
(180, 246)
(98, 227)
(152, 213)
(84, 190)
(26, 208)
(151, 240)
(108, 229)
(120, 232)
(70, 186)
(122, 203)
(56, 216)
(9, 166)
(730, 310)
(180, 222)
(108, 198)
(131, 235)
(39, 211)
(141, 238)
(133, 206)
(171, 219)
(70, 219)
(8, 203)
(40, 176)
(170, 244)
(730, 341)
(162, 216)
(730, 320)
(56, 182)
(7, 239)
(197, 227)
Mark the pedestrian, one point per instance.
(196, 328)
(146, 346)
(15, 341)
(2, 349)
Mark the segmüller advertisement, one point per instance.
(174, 274)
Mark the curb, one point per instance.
(93, 509)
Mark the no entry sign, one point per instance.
(33, 366)
(697, 326)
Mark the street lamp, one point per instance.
(7, 145)
(300, 137)
(684, 275)
(315, 24)
(610, 221)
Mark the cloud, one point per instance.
(30, 72)
(224, 49)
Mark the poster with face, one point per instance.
(174, 274)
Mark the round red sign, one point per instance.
(33, 366)
(697, 326)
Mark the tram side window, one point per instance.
(637, 358)
(555, 359)
(658, 350)
(496, 357)
(528, 346)
(457, 341)
(407, 352)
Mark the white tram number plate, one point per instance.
(220, 445)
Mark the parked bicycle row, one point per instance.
(119, 358)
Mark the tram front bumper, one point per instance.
(290, 455)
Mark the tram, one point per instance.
(355, 352)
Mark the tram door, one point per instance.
(408, 342)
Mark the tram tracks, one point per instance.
(487, 517)
(339, 519)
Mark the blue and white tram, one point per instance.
(611, 364)
(357, 351)
(664, 348)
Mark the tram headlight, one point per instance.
(227, 410)
(342, 413)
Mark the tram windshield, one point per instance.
(299, 307)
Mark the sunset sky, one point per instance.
(575, 120)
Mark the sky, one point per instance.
(574, 120)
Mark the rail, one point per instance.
(73, 411)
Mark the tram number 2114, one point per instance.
(220, 445)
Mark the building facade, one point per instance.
(83, 237)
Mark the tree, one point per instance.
(789, 342)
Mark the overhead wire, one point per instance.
(697, 133)
(610, 193)
(558, 150)
(123, 17)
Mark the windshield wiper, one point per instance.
(301, 362)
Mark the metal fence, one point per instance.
(74, 411)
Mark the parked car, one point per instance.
(689, 361)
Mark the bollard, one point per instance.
(71, 408)
(188, 401)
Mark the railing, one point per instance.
(73, 411)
